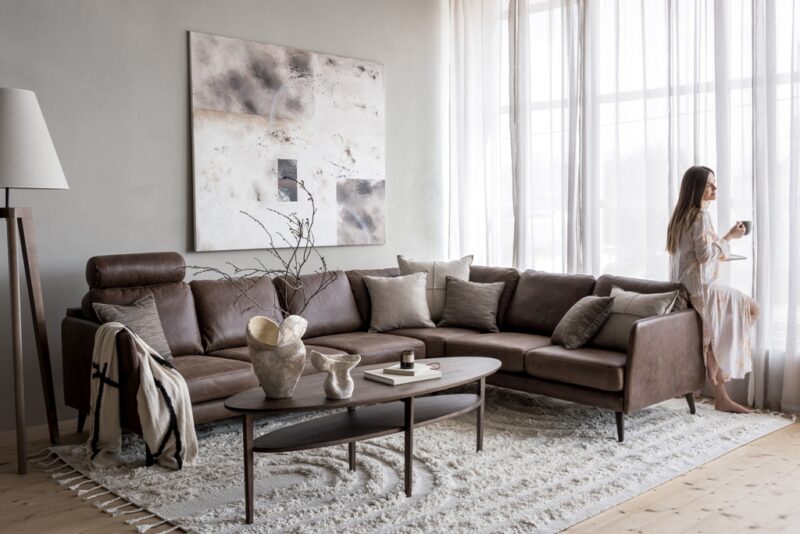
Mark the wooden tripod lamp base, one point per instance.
(20, 228)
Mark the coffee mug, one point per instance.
(748, 226)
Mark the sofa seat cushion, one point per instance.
(209, 378)
(434, 338)
(373, 347)
(590, 367)
(242, 354)
(508, 347)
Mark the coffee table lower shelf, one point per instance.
(364, 423)
(356, 424)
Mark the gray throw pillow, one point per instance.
(582, 321)
(398, 302)
(472, 305)
(438, 271)
(628, 308)
(141, 318)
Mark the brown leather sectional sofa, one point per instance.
(204, 325)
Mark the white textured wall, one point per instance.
(112, 79)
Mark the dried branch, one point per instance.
(300, 248)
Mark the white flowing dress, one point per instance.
(725, 310)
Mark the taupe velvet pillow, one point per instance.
(472, 305)
(582, 321)
(628, 308)
(398, 302)
(438, 271)
(141, 318)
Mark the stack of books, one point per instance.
(395, 375)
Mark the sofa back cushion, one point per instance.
(604, 284)
(175, 305)
(542, 299)
(332, 310)
(225, 306)
(360, 292)
(436, 281)
(488, 275)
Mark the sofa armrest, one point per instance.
(665, 359)
(77, 346)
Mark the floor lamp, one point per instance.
(28, 160)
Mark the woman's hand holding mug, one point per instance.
(736, 231)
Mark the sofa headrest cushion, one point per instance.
(133, 270)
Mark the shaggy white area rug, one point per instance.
(546, 464)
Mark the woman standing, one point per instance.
(727, 313)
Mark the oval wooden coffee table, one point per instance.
(382, 410)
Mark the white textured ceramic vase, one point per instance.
(338, 384)
(278, 353)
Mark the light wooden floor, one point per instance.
(755, 488)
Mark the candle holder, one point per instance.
(407, 359)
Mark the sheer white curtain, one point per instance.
(604, 105)
(545, 98)
(481, 217)
(775, 381)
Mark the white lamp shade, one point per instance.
(28, 159)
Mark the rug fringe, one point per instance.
(47, 463)
(97, 495)
(126, 512)
(35, 454)
(106, 503)
(65, 481)
(137, 519)
(76, 486)
(83, 492)
(145, 528)
(42, 463)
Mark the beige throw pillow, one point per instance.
(398, 302)
(438, 271)
(628, 308)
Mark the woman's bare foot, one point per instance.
(722, 401)
(727, 405)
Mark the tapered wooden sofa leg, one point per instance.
(620, 426)
(690, 401)
(81, 421)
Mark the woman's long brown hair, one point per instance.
(690, 201)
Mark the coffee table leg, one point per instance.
(482, 395)
(247, 438)
(351, 447)
(409, 445)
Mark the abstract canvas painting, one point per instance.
(265, 116)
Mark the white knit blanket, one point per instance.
(165, 411)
